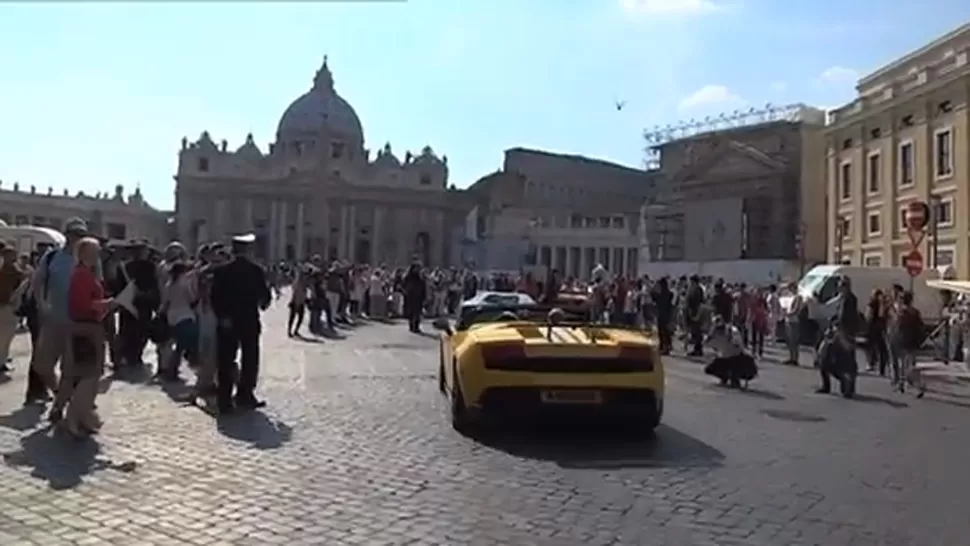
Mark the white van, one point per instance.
(820, 288)
(28, 239)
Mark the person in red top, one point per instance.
(87, 308)
(758, 316)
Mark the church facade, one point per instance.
(319, 191)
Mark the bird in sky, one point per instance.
(620, 104)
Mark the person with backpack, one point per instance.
(11, 278)
(50, 286)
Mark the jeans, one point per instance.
(792, 338)
(186, 335)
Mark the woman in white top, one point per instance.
(178, 302)
(733, 366)
(377, 306)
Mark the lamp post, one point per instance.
(935, 206)
(840, 229)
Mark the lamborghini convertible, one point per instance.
(525, 360)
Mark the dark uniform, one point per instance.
(239, 291)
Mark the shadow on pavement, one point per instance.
(131, 374)
(306, 339)
(594, 446)
(332, 334)
(179, 391)
(61, 460)
(23, 418)
(256, 429)
(898, 404)
(752, 392)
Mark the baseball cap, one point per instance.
(76, 225)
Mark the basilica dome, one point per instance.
(319, 109)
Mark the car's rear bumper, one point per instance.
(528, 401)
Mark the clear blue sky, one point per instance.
(93, 95)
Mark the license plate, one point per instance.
(571, 397)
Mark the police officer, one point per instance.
(239, 291)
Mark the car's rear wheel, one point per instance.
(441, 376)
(653, 417)
(460, 420)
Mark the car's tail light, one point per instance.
(641, 358)
(497, 352)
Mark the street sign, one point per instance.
(916, 237)
(917, 214)
(913, 262)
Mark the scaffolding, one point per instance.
(658, 135)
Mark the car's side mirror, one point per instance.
(442, 325)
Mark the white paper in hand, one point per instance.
(126, 298)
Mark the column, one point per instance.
(438, 239)
(300, 235)
(352, 232)
(376, 236)
(203, 233)
(283, 236)
(220, 219)
(248, 220)
(568, 266)
(274, 211)
(619, 261)
(323, 227)
(342, 239)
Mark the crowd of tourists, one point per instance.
(88, 305)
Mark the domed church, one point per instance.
(319, 190)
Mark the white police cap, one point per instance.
(245, 238)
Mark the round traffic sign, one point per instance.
(917, 214)
(913, 262)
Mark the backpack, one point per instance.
(28, 304)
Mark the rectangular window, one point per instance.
(943, 153)
(902, 219)
(873, 260)
(116, 231)
(336, 150)
(873, 224)
(943, 212)
(204, 164)
(874, 174)
(845, 227)
(845, 180)
(945, 257)
(906, 166)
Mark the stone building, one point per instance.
(744, 192)
(557, 211)
(319, 190)
(905, 138)
(115, 216)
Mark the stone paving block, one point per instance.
(355, 448)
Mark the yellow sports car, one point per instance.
(521, 360)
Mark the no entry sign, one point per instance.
(913, 262)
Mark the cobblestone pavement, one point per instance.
(355, 448)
